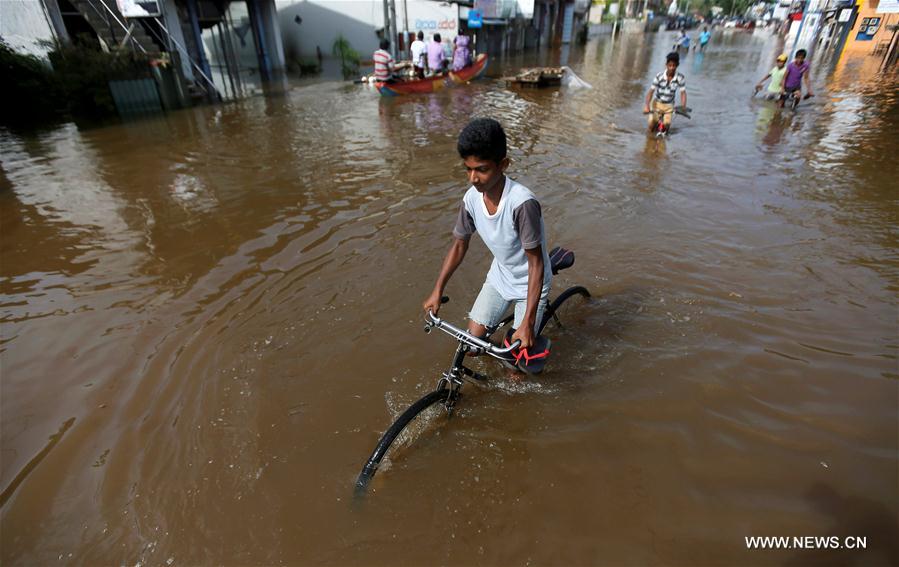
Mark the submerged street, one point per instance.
(210, 316)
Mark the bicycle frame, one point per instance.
(468, 343)
(448, 387)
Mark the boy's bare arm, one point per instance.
(453, 258)
(808, 82)
(526, 331)
(648, 99)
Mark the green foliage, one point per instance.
(84, 72)
(31, 89)
(349, 57)
(77, 83)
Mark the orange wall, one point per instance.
(868, 9)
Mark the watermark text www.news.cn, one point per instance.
(806, 542)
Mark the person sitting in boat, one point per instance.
(436, 56)
(385, 66)
(461, 52)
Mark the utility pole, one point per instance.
(406, 19)
(393, 35)
(387, 22)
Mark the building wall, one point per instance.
(24, 25)
(308, 24)
(868, 9)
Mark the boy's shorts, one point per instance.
(490, 307)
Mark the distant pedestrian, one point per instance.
(683, 42)
(461, 52)
(436, 56)
(417, 50)
(704, 38)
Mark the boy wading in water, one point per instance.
(508, 217)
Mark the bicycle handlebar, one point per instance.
(466, 337)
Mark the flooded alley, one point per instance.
(210, 316)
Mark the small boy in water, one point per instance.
(509, 219)
(777, 74)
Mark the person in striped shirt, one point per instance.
(662, 92)
(384, 63)
(385, 66)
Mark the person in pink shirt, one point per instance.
(436, 56)
(461, 53)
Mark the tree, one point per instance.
(349, 57)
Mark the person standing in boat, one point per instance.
(436, 56)
(418, 49)
(461, 52)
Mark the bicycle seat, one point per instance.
(560, 258)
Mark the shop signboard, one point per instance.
(867, 29)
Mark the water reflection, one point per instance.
(772, 123)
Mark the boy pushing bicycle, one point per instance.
(509, 220)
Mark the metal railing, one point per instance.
(128, 36)
(105, 17)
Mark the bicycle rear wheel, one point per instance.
(407, 417)
(557, 303)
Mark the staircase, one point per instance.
(112, 27)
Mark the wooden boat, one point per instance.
(433, 84)
(538, 77)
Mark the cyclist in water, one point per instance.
(508, 217)
(776, 74)
(662, 92)
(797, 72)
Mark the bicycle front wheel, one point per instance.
(407, 417)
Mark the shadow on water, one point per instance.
(593, 334)
(852, 516)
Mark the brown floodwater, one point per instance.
(209, 317)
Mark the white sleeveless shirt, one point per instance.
(516, 226)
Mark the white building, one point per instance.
(25, 26)
(310, 24)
